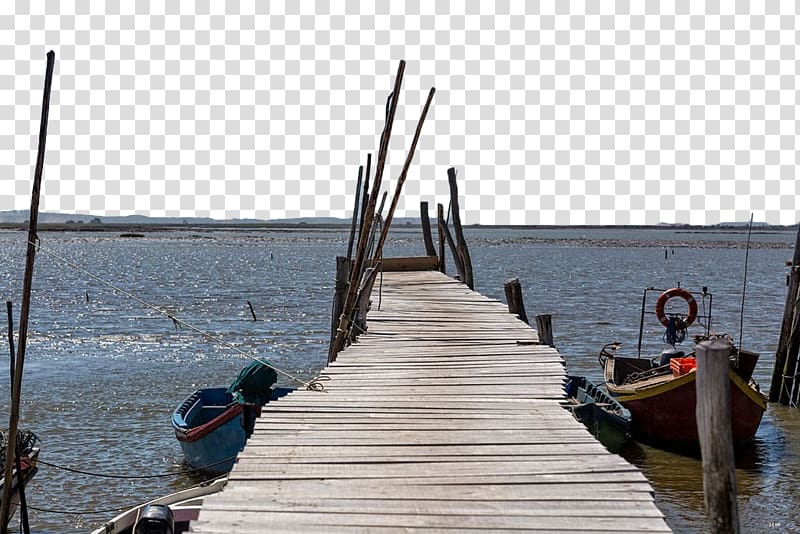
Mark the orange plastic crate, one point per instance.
(681, 366)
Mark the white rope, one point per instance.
(314, 384)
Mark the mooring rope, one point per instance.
(134, 477)
(312, 385)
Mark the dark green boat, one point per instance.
(606, 419)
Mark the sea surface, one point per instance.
(103, 372)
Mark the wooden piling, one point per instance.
(343, 265)
(544, 326)
(16, 386)
(457, 260)
(461, 243)
(516, 305)
(355, 213)
(713, 412)
(439, 223)
(361, 249)
(778, 391)
(430, 250)
(401, 180)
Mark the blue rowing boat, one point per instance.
(210, 428)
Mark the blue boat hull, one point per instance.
(208, 426)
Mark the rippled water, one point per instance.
(103, 373)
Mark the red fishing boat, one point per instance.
(660, 392)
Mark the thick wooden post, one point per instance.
(339, 294)
(779, 390)
(439, 223)
(514, 299)
(461, 243)
(355, 213)
(16, 386)
(430, 250)
(453, 250)
(544, 327)
(713, 414)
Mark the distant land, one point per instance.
(18, 218)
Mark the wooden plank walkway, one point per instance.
(445, 416)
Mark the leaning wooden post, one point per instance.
(16, 386)
(430, 250)
(453, 250)
(439, 223)
(461, 243)
(544, 326)
(358, 262)
(401, 180)
(713, 412)
(777, 391)
(343, 265)
(355, 213)
(792, 350)
(516, 305)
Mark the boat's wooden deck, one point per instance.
(445, 416)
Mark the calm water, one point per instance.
(103, 373)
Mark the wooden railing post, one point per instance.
(430, 250)
(461, 243)
(513, 290)
(343, 265)
(785, 361)
(713, 412)
(439, 224)
(544, 326)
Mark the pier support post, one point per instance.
(786, 356)
(461, 243)
(430, 250)
(544, 326)
(439, 223)
(713, 412)
(343, 265)
(513, 290)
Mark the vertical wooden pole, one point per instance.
(439, 223)
(343, 265)
(430, 250)
(364, 199)
(461, 243)
(403, 174)
(777, 391)
(516, 305)
(356, 269)
(544, 326)
(792, 349)
(355, 213)
(713, 412)
(16, 386)
(453, 249)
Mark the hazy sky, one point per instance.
(552, 112)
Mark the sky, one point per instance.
(567, 113)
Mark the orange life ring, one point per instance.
(669, 294)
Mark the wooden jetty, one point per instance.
(445, 415)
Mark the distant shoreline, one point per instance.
(148, 227)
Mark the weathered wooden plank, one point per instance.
(361, 489)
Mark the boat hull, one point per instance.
(208, 426)
(602, 415)
(664, 413)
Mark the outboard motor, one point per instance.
(668, 354)
(155, 519)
